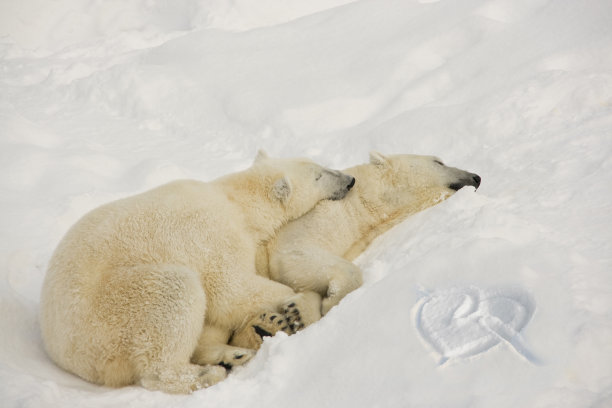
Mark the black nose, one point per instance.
(351, 184)
(470, 179)
(477, 180)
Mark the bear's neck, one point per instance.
(250, 193)
(365, 198)
(374, 215)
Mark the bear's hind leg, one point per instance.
(153, 316)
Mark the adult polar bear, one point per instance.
(313, 254)
(137, 285)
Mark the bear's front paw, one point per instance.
(270, 323)
(302, 310)
(265, 324)
(293, 316)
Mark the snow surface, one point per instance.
(103, 99)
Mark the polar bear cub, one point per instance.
(149, 289)
(313, 253)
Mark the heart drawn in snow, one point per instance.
(463, 322)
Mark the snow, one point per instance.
(99, 100)
(464, 322)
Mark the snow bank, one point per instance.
(99, 100)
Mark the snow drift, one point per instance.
(99, 100)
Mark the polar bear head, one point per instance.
(416, 182)
(299, 184)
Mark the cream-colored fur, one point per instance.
(314, 252)
(150, 288)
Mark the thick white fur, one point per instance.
(139, 286)
(314, 252)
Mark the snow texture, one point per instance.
(463, 322)
(509, 286)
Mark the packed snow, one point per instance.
(500, 297)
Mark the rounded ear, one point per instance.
(282, 189)
(261, 155)
(378, 159)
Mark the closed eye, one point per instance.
(319, 176)
(439, 162)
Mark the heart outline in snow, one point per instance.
(461, 322)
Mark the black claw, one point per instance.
(261, 332)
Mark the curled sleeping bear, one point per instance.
(313, 254)
(149, 289)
